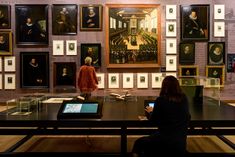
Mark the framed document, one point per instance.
(9, 64)
(71, 47)
(171, 64)
(171, 29)
(219, 11)
(100, 78)
(219, 29)
(171, 12)
(157, 79)
(10, 81)
(142, 80)
(171, 46)
(113, 80)
(127, 80)
(58, 47)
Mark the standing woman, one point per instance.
(87, 80)
(171, 114)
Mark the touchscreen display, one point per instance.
(151, 104)
(81, 108)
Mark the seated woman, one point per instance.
(171, 114)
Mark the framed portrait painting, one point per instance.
(188, 70)
(5, 16)
(92, 50)
(6, 43)
(91, 17)
(213, 71)
(65, 74)
(195, 22)
(34, 68)
(64, 19)
(133, 35)
(9, 81)
(31, 24)
(230, 62)
(187, 53)
(216, 53)
(9, 64)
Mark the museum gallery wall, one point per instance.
(137, 42)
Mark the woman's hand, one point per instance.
(149, 109)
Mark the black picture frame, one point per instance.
(187, 53)
(91, 17)
(230, 63)
(216, 71)
(64, 19)
(216, 53)
(31, 24)
(5, 43)
(65, 74)
(87, 49)
(195, 28)
(34, 67)
(5, 17)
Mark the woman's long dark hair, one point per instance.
(171, 89)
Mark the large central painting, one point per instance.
(133, 36)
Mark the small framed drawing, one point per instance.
(35, 65)
(5, 17)
(71, 47)
(171, 63)
(216, 53)
(188, 70)
(187, 53)
(9, 64)
(100, 78)
(213, 71)
(219, 11)
(219, 29)
(9, 81)
(230, 62)
(0, 81)
(127, 80)
(91, 17)
(113, 80)
(170, 29)
(157, 79)
(171, 46)
(142, 80)
(65, 74)
(5, 43)
(64, 19)
(171, 12)
(93, 51)
(58, 47)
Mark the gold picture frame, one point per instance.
(122, 35)
(6, 43)
(216, 72)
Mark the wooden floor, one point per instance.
(111, 144)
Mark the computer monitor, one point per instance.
(75, 109)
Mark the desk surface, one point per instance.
(118, 110)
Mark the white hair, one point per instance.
(88, 60)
